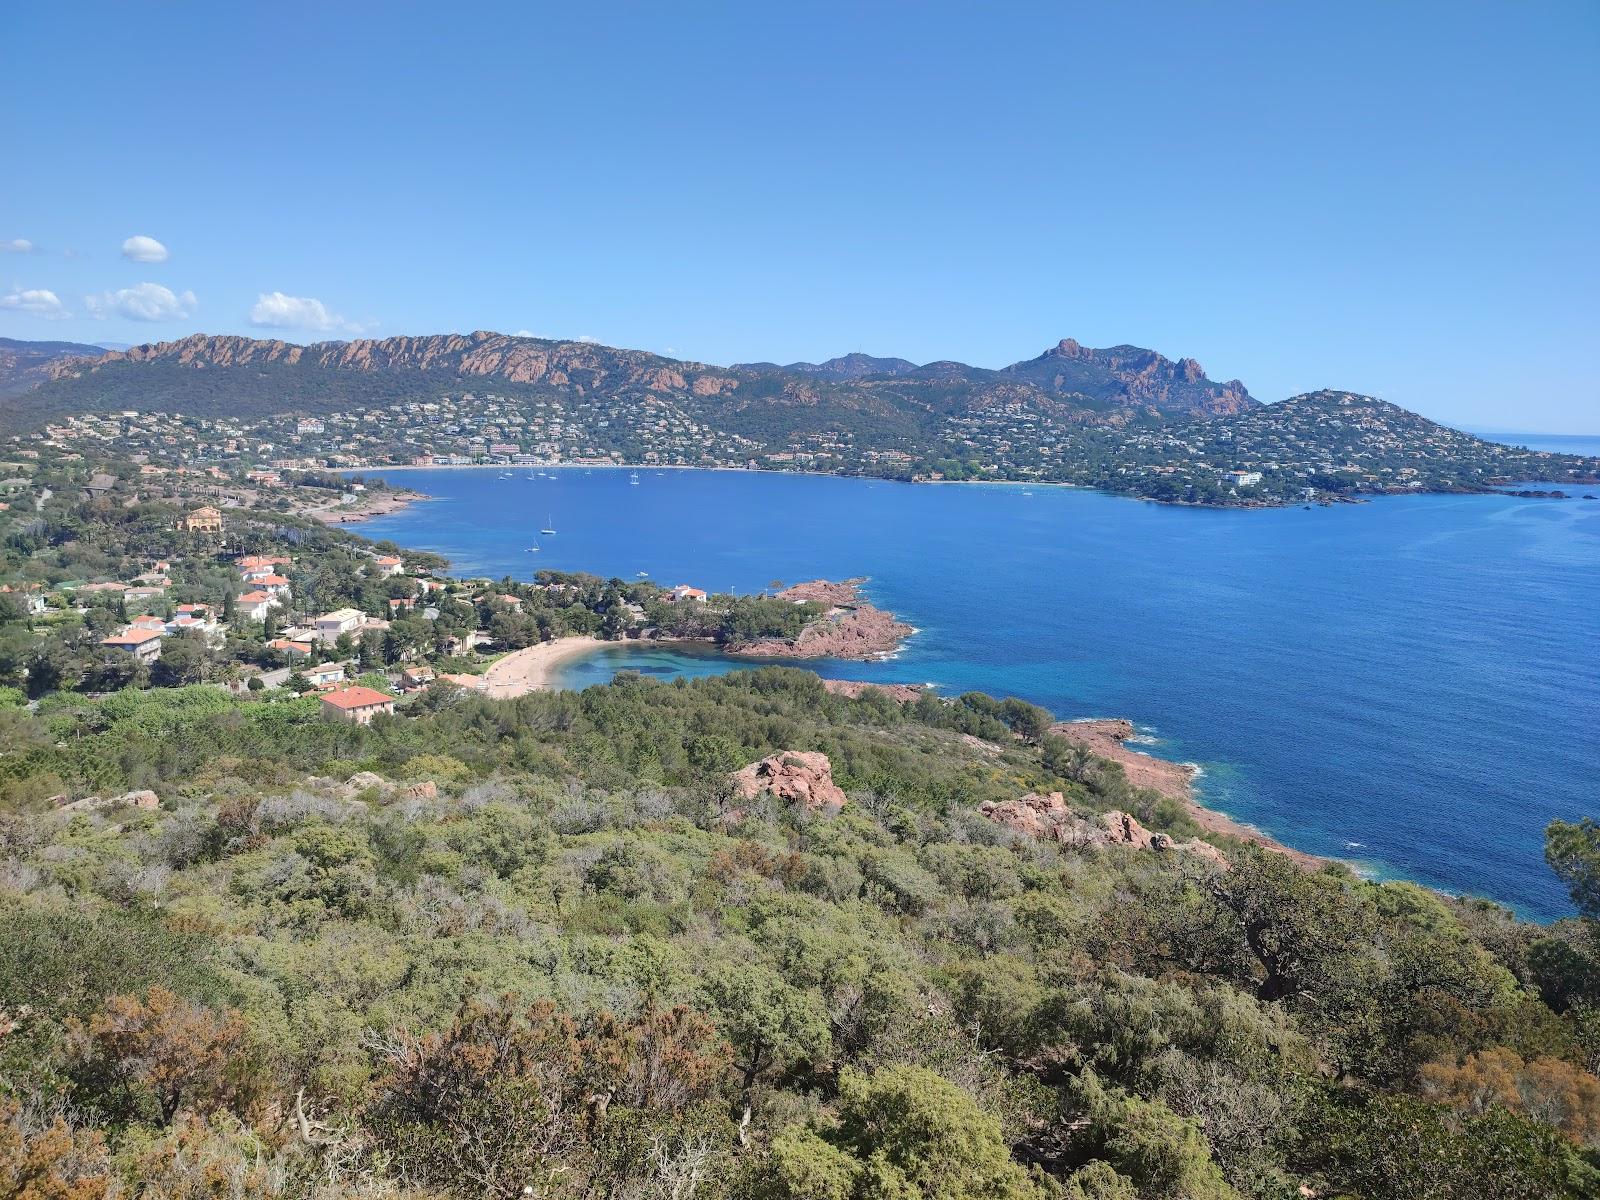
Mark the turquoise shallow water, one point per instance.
(1413, 683)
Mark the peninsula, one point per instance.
(847, 627)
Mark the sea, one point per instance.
(1411, 684)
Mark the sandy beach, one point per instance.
(532, 669)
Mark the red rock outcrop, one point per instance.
(1048, 818)
(863, 634)
(1125, 831)
(900, 693)
(851, 629)
(481, 354)
(824, 591)
(138, 799)
(1104, 738)
(800, 777)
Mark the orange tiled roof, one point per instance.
(131, 637)
(357, 697)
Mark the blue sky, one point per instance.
(1395, 199)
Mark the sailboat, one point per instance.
(549, 530)
(634, 479)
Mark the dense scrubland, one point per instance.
(550, 947)
(541, 947)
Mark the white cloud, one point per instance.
(588, 337)
(142, 249)
(278, 311)
(142, 302)
(525, 333)
(36, 302)
(17, 246)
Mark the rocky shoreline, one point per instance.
(850, 629)
(374, 504)
(1107, 737)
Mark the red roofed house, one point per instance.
(143, 644)
(684, 592)
(356, 705)
(253, 606)
(275, 585)
(390, 565)
(252, 562)
(291, 647)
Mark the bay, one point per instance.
(1412, 684)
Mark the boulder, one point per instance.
(426, 790)
(900, 693)
(363, 781)
(136, 799)
(800, 777)
(1195, 846)
(1205, 850)
(1126, 831)
(1049, 818)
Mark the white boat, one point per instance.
(634, 479)
(550, 523)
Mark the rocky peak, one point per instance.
(1130, 377)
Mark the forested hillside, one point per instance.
(26, 365)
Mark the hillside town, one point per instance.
(119, 576)
(1321, 447)
(453, 430)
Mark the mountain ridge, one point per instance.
(1122, 377)
(24, 365)
(1121, 418)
